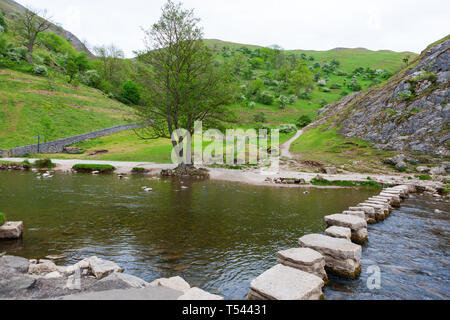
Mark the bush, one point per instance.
(40, 70)
(102, 168)
(322, 83)
(283, 101)
(16, 53)
(323, 103)
(260, 117)
(139, 170)
(303, 121)
(325, 89)
(305, 95)
(265, 97)
(335, 86)
(2, 218)
(90, 78)
(287, 128)
(44, 163)
(131, 92)
(354, 85)
(424, 177)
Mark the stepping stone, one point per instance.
(11, 230)
(360, 214)
(339, 232)
(198, 294)
(350, 221)
(342, 257)
(304, 259)
(379, 210)
(285, 283)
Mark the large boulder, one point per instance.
(43, 267)
(16, 264)
(15, 282)
(285, 283)
(118, 281)
(342, 257)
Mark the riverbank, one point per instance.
(251, 176)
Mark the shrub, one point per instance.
(16, 53)
(287, 128)
(139, 170)
(283, 101)
(131, 92)
(40, 70)
(2, 218)
(324, 89)
(265, 97)
(303, 121)
(260, 117)
(405, 95)
(3, 22)
(44, 163)
(323, 103)
(102, 168)
(90, 78)
(305, 95)
(354, 85)
(335, 86)
(322, 83)
(258, 127)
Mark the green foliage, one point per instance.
(265, 97)
(71, 68)
(343, 183)
(354, 85)
(56, 43)
(130, 92)
(3, 22)
(303, 121)
(138, 170)
(102, 168)
(424, 177)
(40, 70)
(90, 78)
(260, 117)
(2, 218)
(44, 163)
(287, 128)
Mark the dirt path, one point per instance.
(284, 148)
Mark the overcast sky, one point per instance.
(397, 25)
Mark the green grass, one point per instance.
(44, 163)
(103, 168)
(28, 108)
(424, 177)
(344, 183)
(327, 146)
(2, 218)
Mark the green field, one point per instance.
(29, 108)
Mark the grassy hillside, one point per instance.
(29, 108)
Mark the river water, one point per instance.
(218, 235)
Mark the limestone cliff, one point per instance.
(409, 112)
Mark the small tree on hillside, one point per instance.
(182, 84)
(30, 24)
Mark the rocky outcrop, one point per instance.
(410, 112)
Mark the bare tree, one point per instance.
(111, 57)
(31, 23)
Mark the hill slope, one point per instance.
(411, 111)
(12, 8)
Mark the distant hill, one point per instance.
(12, 8)
(411, 111)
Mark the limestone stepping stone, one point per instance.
(304, 259)
(342, 257)
(198, 294)
(339, 232)
(369, 211)
(360, 214)
(393, 201)
(353, 222)
(399, 193)
(285, 283)
(101, 268)
(11, 230)
(394, 197)
(379, 210)
(386, 206)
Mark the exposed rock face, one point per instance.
(285, 283)
(118, 281)
(17, 264)
(304, 259)
(410, 112)
(101, 268)
(342, 257)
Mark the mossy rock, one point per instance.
(139, 170)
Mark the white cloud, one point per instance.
(400, 25)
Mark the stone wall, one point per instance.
(58, 145)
